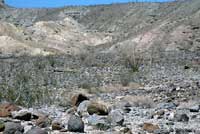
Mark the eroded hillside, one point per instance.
(131, 68)
(170, 26)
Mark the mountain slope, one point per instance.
(143, 27)
(53, 37)
(173, 26)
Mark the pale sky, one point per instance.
(60, 3)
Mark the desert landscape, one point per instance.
(123, 68)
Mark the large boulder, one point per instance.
(13, 128)
(56, 125)
(22, 115)
(7, 108)
(116, 117)
(43, 121)
(82, 108)
(181, 117)
(97, 108)
(149, 127)
(195, 108)
(100, 122)
(76, 99)
(75, 124)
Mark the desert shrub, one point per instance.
(130, 62)
(140, 101)
(52, 61)
(39, 64)
(91, 60)
(24, 89)
(94, 90)
(132, 58)
(83, 55)
(124, 81)
(85, 85)
(26, 96)
(126, 78)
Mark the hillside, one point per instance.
(172, 26)
(130, 68)
(167, 26)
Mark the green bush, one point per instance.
(85, 85)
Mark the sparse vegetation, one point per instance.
(24, 92)
(126, 78)
(140, 101)
(27, 81)
(85, 85)
(118, 68)
(132, 58)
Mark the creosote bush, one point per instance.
(132, 57)
(85, 85)
(125, 79)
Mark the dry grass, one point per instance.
(119, 87)
(112, 88)
(133, 58)
(140, 101)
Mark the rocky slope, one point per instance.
(167, 26)
(130, 68)
(48, 37)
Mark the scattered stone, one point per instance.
(181, 117)
(167, 106)
(13, 128)
(71, 110)
(158, 114)
(22, 115)
(183, 131)
(100, 122)
(126, 109)
(37, 131)
(77, 99)
(36, 115)
(170, 116)
(150, 127)
(75, 124)
(102, 127)
(82, 108)
(57, 126)
(43, 121)
(64, 130)
(161, 131)
(186, 67)
(170, 123)
(97, 108)
(116, 117)
(197, 132)
(125, 130)
(7, 108)
(95, 119)
(27, 126)
(195, 108)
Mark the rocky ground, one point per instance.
(66, 70)
(163, 104)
